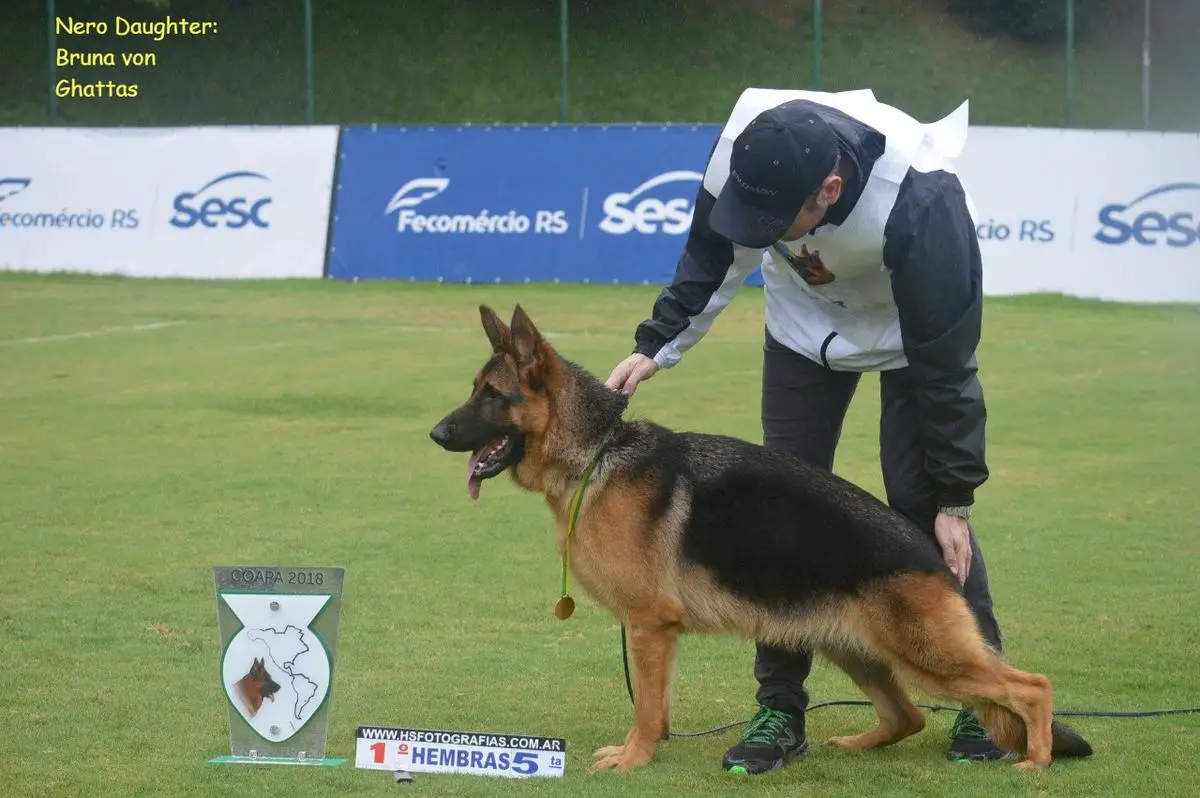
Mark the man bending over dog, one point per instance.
(870, 262)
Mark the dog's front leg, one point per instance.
(653, 641)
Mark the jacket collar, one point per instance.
(862, 145)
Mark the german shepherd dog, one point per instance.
(683, 532)
(256, 686)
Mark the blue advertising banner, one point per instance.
(596, 204)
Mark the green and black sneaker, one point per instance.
(769, 741)
(969, 741)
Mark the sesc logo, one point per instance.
(417, 191)
(650, 215)
(1174, 219)
(235, 205)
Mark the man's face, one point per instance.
(814, 209)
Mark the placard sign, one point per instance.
(475, 753)
(279, 628)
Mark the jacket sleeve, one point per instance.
(709, 273)
(932, 253)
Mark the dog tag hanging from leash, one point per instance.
(565, 606)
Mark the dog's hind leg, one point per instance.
(925, 628)
(898, 717)
(653, 642)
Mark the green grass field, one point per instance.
(152, 429)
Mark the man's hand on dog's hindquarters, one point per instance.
(630, 371)
(954, 536)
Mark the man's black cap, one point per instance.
(777, 163)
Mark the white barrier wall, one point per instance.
(167, 202)
(1094, 214)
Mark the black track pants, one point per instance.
(803, 407)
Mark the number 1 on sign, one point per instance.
(379, 749)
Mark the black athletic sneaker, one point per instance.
(769, 741)
(970, 741)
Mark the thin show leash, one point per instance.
(565, 607)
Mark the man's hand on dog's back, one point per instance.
(631, 371)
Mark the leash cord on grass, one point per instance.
(1086, 713)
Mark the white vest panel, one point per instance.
(845, 288)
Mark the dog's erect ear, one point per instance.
(527, 344)
(497, 331)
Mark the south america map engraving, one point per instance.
(285, 649)
(276, 669)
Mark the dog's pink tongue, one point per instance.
(473, 482)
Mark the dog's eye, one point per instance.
(493, 395)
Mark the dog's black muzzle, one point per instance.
(446, 435)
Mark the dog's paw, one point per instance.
(619, 757)
(1029, 766)
(875, 738)
(845, 742)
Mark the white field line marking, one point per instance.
(157, 325)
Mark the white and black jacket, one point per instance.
(891, 278)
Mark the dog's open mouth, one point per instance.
(488, 461)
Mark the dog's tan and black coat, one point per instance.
(685, 532)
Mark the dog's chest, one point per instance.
(607, 562)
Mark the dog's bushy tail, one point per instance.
(1008, 732)
(1005, 726)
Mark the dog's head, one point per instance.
(509, 401)
(267, 687)
(256, 686)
